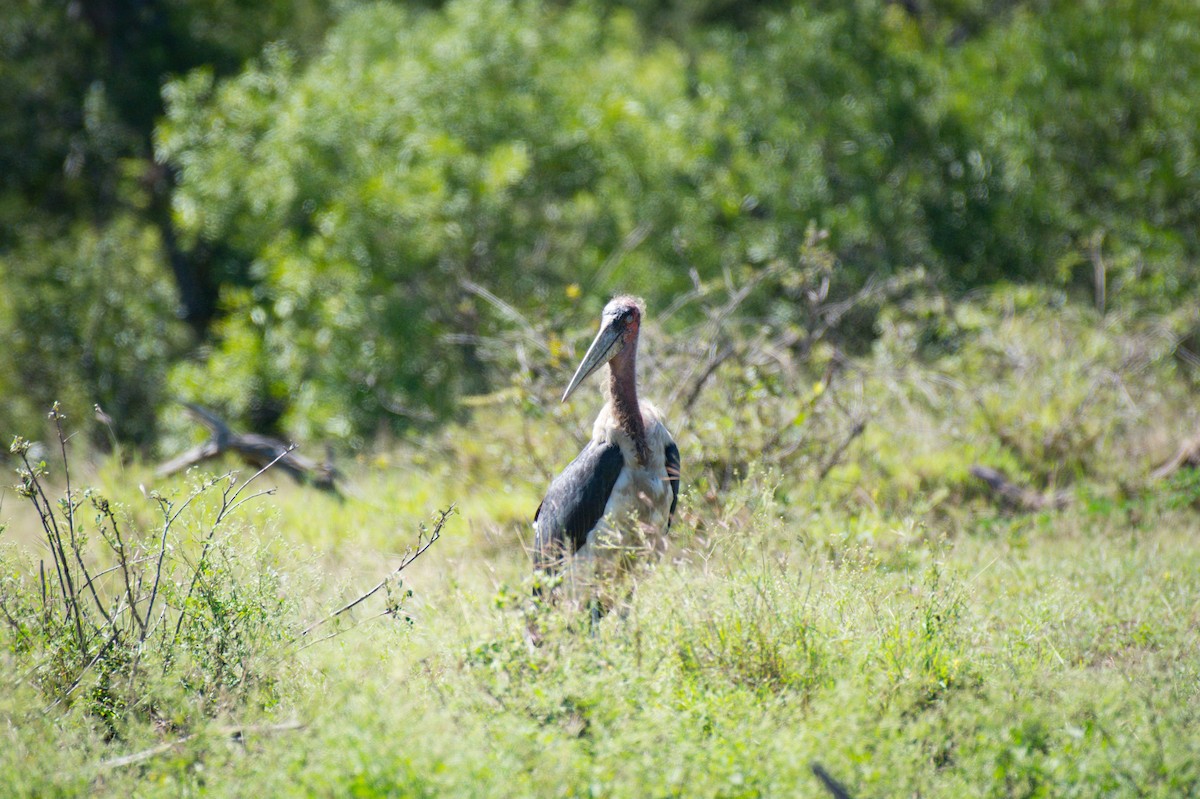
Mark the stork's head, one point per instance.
(618, 329)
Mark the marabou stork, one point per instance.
(617, 498)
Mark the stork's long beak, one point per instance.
(607, 344)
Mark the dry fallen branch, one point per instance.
(255, 449)
(235, 733)
(1015, 496)
(1188, 454)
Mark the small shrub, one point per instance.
(923, 655)
(117, 609)
(761, 650)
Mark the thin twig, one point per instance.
(411, 556)
(12, 622)
(712, 366)
(124, 562)
(256, 475)
(228, 503)
(124, 567)
(66, 583)
(168, 520)
(266, 492)
(70, 500)
(336, 633)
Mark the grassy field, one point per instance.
(887, 621)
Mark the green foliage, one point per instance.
(879, 617)
(373, 201)
(120, 619)
(833, 114)
(368, 203)
(41, 58)
(949, 670)
(429, 202)
(755, 638)
(93, 324)
(1087, 118)
(1022, 380)
(84, 236)
(82, 91)
(425, 155)
(418, 155)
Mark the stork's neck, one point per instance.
(622, 393)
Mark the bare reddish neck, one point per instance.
(622, 392)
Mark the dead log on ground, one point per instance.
(1018, 497)
(1188, 454)
(255, 449)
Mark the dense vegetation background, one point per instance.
(287, 210)
(883, 245)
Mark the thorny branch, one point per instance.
(425, 539)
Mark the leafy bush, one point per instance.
(119, 615)
(832, 114)
(375, 189)
(1087, 112)
(1017, 379)
(420, 154)
(376, 204)
(383, 192)
(94, 323)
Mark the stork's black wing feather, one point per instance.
(575, 502)
(673, 475)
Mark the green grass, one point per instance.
(886, 622)
(1042, 656)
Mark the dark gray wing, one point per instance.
(575, 502)
(673, 475)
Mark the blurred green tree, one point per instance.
(80, 85)
(1090, 113)
(496, 143)
(362, 207)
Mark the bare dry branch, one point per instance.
(836, 456)
(1188, 454)
(236, 733)
(1015, 496)
(253, 448)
